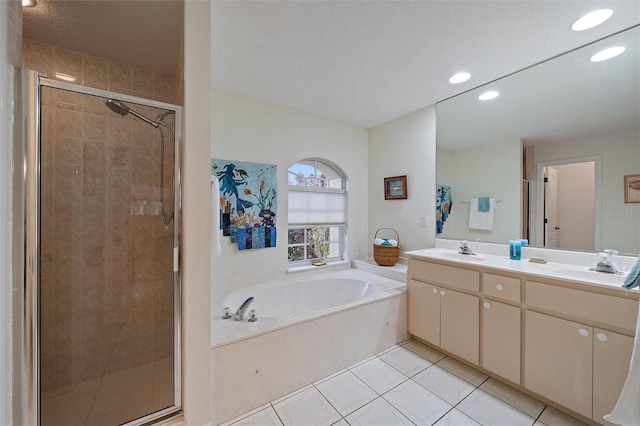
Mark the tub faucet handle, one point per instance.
(226, 313)
(253, 316)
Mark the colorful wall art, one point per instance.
(248, 202)
(443, 206)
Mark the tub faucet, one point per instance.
(465, 249)
(239, 315)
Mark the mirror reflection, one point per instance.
(546, 159)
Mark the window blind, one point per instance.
(316, 207)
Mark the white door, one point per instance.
(551, 208)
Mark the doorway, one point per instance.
(103, 228)
(567, 204)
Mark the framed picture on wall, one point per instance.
(395, 188)
(632, 189)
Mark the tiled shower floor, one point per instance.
(405, 385)
(111, 399)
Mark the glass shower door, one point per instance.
(108, 303)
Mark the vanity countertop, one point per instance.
(550, 270)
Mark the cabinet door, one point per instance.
(424, 311)
(611, 358)
(558, 361)
(460, 324)
(501, 339)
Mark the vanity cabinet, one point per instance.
(558, 361)
(441, 314)
(611, 358)
(501, 339)
(600, 357)
(424, 311)
(564, 340)
(581, 367)
(445, 318)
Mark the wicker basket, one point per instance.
(386, 255)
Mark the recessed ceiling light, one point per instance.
(592, 19)
(461, 77)
(65, 77)
(488, 95)
(29, 3)
(605, 54)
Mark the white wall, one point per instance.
(472, 173)
(10, 57)
(620, 156)
(246, 129)
(196, 211)
(405, 146)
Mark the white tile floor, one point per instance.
(406, 385)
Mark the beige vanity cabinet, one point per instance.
(424, 311)
(579, 366)
(459, 326)
(441, 314)
(611, 358)
(501, 339)
(501, 325)
(558, 361)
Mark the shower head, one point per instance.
(117, 107)
(121, 108)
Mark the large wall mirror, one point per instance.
(552, 150)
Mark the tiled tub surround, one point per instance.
(282, 355)
(558, 331)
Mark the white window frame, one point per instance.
(307, 225)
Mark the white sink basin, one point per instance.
(600, 277)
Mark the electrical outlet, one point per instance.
(423, 221)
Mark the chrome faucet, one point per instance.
(465, 249)
(239, 315)
(605, 264)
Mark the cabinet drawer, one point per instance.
(446, 275)
(503, 287)
(601, 308)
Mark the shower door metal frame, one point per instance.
(27, 192)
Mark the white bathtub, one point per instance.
(283, 303)
(306, 329)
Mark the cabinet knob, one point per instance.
(487, 305)
(435, 291)
(602, 337)
(499, 287)
(583, 332)
(442, 293)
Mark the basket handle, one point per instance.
(391, 229)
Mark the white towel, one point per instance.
(215, 217)
(627, 409)
(388, 242)
(481, 220)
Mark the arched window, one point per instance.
(317, 212)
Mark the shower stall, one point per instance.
(100, 196)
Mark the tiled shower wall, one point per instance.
(106, 255)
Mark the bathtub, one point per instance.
(307, 328)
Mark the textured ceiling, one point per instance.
(361, 62)
(366, 63)
(145, 34)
